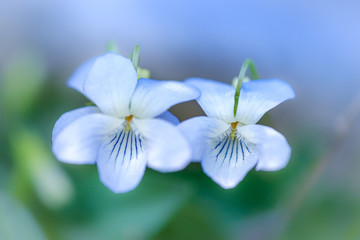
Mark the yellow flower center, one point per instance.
(233, 129)
(128, 120)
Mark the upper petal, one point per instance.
(198, 131)
(216, 99)
(166, 148)
(259, 96)
(78, 78)
(273, 149)
(121, 161)
(228, 159)
(78, 142)
(71, 116)
(111, 83)
(152, 97)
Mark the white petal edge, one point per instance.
(273, 149)
(169, 117)
(259, 96)
(111, 83)
(77, 79)
(198, 130)
(79, 141)
(227, 160)
(71, 116)
(216, 99)
(166, 148)
(121, 161)
(153, 97)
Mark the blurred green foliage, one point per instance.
(22, 81)
(41, 198)
(16, 222)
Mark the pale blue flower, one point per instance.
(122, 134)
(229, 146)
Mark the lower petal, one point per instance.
(121, 161)
(273, 149)
(79, 141)
(166, 148)
(228, 159)
(198, 130)
(70, 117)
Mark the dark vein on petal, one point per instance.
(113, 139)
(232, 150)
(116, 143)
(217, 145)
(221, 148)
(140, 141)
(127, 139)
(227, 150)
(242, 150)
(131, 146)
(117, 154)
(247, 147)
(136, 150)
(237, 150)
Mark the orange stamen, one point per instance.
(233, 129)
(129, 118)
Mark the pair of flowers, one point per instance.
(130, 127)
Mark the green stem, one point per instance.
(253, 72)
(135, 56)
(247, 64)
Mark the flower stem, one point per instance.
(135, 56)
(112, 47)
(247, 64)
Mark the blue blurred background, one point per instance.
(313, 45)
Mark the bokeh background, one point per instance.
(313, 45)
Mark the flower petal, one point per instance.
(198, 130)
(77, 79)
(228, 159)
(71, 116)
(259, 96)
(166, 148)
(78, 142)
(152, 97)
(168, 116)
(121, 161)
(216, 99)
(273, 149)
(111, 83)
